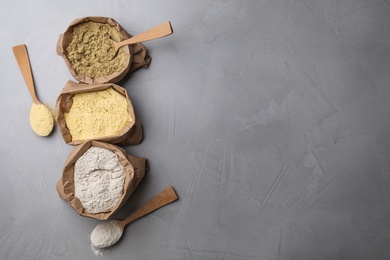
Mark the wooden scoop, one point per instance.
(160, 31)
(41, 119)
(105, 235)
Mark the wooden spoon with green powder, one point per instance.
(41, 119)
(159, 31)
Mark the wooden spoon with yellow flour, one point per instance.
(41, 119)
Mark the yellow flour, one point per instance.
(97, 114)
(91, 52)
(41, 119)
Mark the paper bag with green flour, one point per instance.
(94, 35)
(99, 191)
(101, 112)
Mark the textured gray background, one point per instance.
(270, 119)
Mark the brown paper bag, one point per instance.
(135, 169)
(130, 134)
(136, 54)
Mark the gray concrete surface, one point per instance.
(270, 118)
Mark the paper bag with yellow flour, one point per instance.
(101, 112)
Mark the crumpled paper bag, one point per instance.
(136, 54)
(130, 134)
(135, 169)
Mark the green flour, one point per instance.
(91, 52)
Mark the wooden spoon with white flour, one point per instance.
(109, 232)
(41, 119)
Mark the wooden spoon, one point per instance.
(109, 232)
(160, 31)
(41, 119)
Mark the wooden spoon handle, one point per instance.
(21, 56)
(163, 198)
(159, 31)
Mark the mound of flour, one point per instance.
(106, 234)
(98, 180)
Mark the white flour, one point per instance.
(96, 251)
(106, 234)
(98, 180)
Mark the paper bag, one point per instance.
(136, 54)
(135, 169)
(130, 134)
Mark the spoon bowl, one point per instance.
(106, 234)
(109, 232)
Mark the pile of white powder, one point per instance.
(106, 234)
(98, 180)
